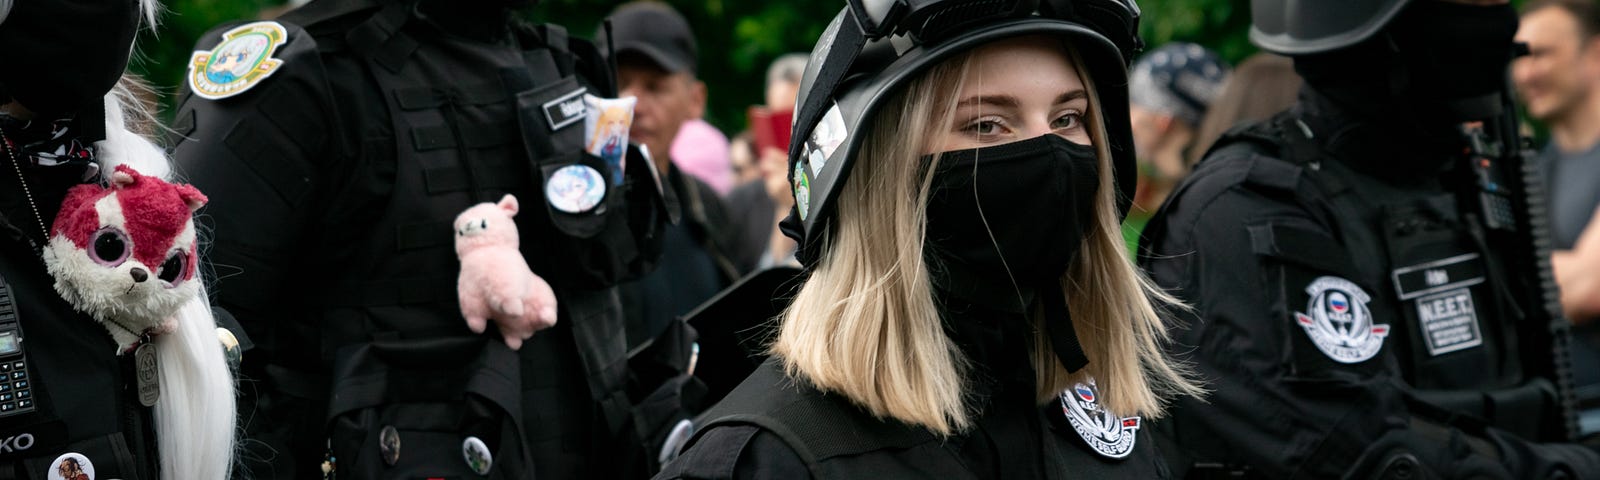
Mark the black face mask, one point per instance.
(1454, 51)
(1016, 210)
(1006, 221)
(61, 56)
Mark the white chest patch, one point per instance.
(1338, 321)
(1105, 433)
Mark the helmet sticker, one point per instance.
(1339, 323)
(826, 137)
(1109, 435)
(241, 61)
(802, 190)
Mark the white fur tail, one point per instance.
(195, 417)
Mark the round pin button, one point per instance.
(477, 455)
(71, 466)
(389, 444)
(575, 188)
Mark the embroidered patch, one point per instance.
(1339, 323)
(1104, 432)
(1438, 275)
(575, 188)
(1449, 321)
(567, 110)
(241, 61)
(71, 466)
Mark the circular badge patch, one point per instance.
(575, 188)
(1338, 321)
(1105, 433)
(241, 61)
(476, 455)
(71, 466)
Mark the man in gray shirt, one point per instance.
(1560, 84)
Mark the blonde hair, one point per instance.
(865, 324)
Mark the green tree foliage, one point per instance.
(737, 39)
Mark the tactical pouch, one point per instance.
(407, 409)
(616, 239)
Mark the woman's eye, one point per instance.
(985, 127)
(1067, 122)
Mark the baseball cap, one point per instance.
(1179, 79)
(655, 30)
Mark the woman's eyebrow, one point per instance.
(1002, 101)
(1072, 95)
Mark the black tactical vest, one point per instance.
(472, 122)
(1453, 323)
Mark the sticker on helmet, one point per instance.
(825, 138)
(575, 188)
(802, 190)
(241, 61)
(1339, 323)
(1104, 432)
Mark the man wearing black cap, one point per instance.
(655, 54)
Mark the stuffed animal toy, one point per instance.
(495, 281)
(125, 253)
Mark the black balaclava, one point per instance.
(1005, 223)
(58, 57)
(1437, 64)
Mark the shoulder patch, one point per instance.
(1339, 322)
(1107, 434)
(241, 61)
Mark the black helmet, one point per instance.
(1299, 27)
(873, 48)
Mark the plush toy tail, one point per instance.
(195, 418)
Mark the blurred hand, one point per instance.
(774, 165)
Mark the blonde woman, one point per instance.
(960, 170)
(70, 404)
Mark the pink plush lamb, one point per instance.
(495, 281)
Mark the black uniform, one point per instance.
(1348, 315)
(760, 430)
(334, 184)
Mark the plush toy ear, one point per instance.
(509, 204)
(191, 196)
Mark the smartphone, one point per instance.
(770, 128)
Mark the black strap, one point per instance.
(381, 39)
(1058, 323)
(399, 291)
(847, 44)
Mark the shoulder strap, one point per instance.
(817, 425)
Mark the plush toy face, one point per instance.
(126, 254)
(487, 224)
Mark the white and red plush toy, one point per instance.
(495, 281)
(125, 254)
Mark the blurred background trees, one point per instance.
(737, 38)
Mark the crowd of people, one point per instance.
(957, 239)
